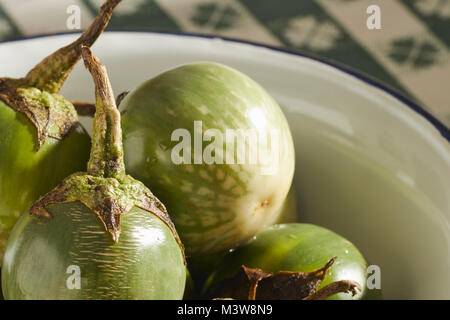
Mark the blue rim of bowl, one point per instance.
(399, 95)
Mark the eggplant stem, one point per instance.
(252, 291)
(121, 96)
(254, 276)
(51, 73)
(84, 108)
(106, 158)
(88, 108)
(346, 286)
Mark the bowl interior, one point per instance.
(367, 166)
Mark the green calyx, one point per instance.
(54, 101)
(36, 96)
(51, 114)
(109, 198)
(61, 116)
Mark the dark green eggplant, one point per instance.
(41, 141)
(291, 250)
(97, 235)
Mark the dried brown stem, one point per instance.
(51, 73)
(253, 279)
(346, 286)
(121, 96)
(88, 108)
(84, 108)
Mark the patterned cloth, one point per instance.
(410, 52)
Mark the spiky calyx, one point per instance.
(257, 284)
(108, 198)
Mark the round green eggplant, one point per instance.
(216, 199)
(83, 262)
(27, 174)
(300, 248)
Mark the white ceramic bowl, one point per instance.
(370, 165)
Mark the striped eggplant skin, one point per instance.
(297, 247)
(45, 255)
(215, 206)
(25, 173)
